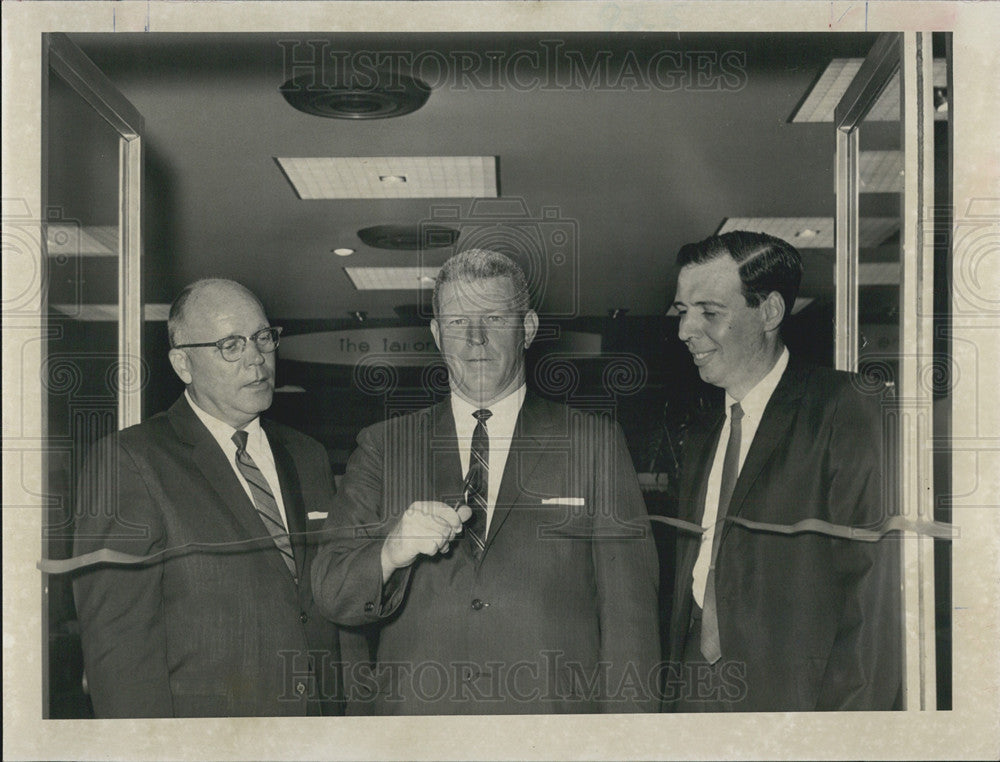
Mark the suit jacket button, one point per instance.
(369, 606)
(477, 604)
(303, 617)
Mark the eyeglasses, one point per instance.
(232, 347)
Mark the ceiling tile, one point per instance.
(370, 177)
(812, 232)
(821, 103)
(391, 278)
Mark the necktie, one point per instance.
(711, 646)
(477, 482)
(263, 499)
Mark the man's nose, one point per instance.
(477, 333)
(252, 355)
(687, 327)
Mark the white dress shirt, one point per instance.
(753, 404)
(500, 430)
(257, 447)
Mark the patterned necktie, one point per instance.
(263, 499)
(477, 482)
(711, 645)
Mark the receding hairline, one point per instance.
(195, 291)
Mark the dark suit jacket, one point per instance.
(215, 632)
(811, 622)
(559, 615)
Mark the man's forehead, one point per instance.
(218, 305)
(477, 294)
(703, 281)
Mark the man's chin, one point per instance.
(262, 396)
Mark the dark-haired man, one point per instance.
(764, 620)
(224, 623)
(529, 585)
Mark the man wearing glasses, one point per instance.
(221, 620)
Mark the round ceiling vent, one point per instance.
(353, 96)
(408, 237)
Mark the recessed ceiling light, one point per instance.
(392, 178)
(807, 233)
(343, 252)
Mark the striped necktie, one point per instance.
(477, 482)
(263, 500)
(711, 643)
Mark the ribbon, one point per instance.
(936, 529)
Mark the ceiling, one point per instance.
(628, 167)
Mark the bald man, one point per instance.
(223, 622)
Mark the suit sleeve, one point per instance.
(120, 607)
(627, 577)
(347, 570)
(864, 668)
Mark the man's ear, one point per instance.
(530, 327)
(179, 362)
(436, 333)
(773, 310)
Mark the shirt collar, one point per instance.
(754, 401)
(506, 409)
(221, 431)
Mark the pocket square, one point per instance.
(562, 501)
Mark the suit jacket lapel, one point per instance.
(703, 437)
(532, 422)
(774, 424)
(291, 496)
(214, 465)
(700, 448)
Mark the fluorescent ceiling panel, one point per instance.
(881, 171)
(391, 278)
(824, 96)
(109, 312)
(801, 303)
(359, 177)
(821, 103)
(70, 240)
(812, 232)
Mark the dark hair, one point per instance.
(479, 264)
(766, 263)
(179, 305)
